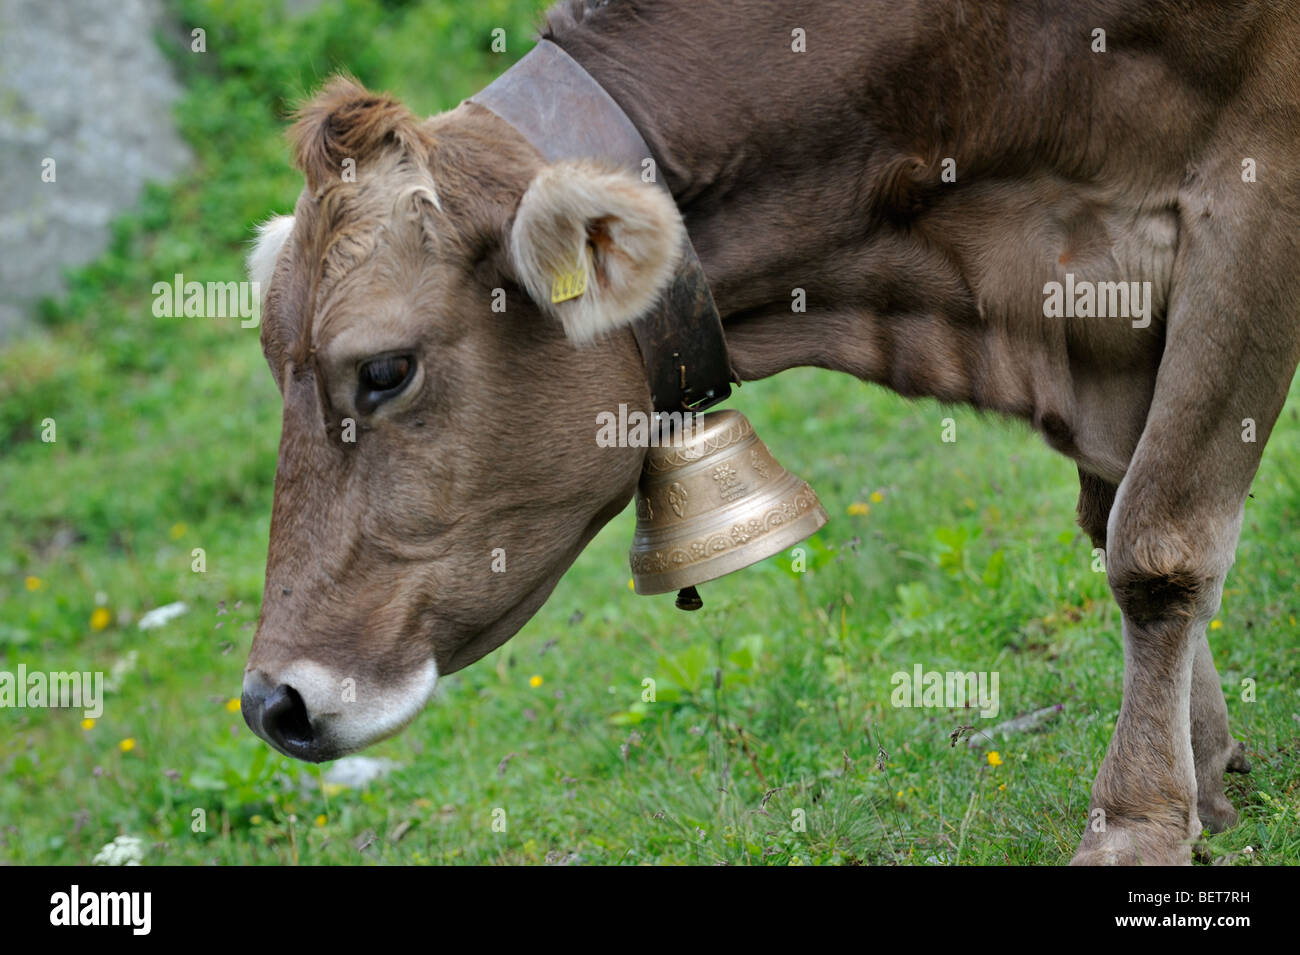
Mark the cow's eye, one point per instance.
(383, 378)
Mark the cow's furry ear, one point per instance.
(346, 121)
(271, 237)
(594, 247)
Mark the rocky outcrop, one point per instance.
(84, 84)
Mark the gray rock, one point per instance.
(85, 84)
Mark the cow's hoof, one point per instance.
(1133, 843)
(1217, 814)
(1212, 805)
(1237, 762)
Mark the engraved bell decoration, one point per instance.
(712, 500)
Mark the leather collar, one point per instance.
(565, 114)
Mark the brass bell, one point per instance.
(712, 500)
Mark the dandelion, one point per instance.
(631, 584)
(876, 497)
(858, 509)
(1002, 788)
(127, 744)
(178, 531)
(232, 705)
(87, 724)
(33, 583)
(995, 758)
(320, 820)
(535, 682)
(100, 618)
(1216, 624)
(255, 820)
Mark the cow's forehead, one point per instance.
(353, 239)
(464, 183)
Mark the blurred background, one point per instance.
(167, 148)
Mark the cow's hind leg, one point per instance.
(1231, 346)
(1214, 750)
(1213, 746)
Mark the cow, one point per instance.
(935, 176)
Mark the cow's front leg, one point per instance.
(1231, 345)
(1214, 750)
(1144, 801)
(1213, 747)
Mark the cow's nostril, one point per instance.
(285, 720)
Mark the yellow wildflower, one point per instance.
(100, 619)
(33, 583)
(995, 758)
(858, 509)
(232, 705)
(876, 497)
(535, 682)
(320, 820)
(87, 724)
(178, 531)
(1216, 624)
(127, 744)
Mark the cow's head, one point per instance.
(438, 465)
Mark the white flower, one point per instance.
(161, 615)
(124, 850)
(121, 668)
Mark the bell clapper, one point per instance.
(688, 598)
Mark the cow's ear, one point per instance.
(594, 247)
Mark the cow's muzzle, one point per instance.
(311, 712)
(279, 716)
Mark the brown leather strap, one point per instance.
(558, 107)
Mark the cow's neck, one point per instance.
(801, 210)
(773, 170)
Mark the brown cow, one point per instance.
(958, 187)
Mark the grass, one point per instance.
(772, 704)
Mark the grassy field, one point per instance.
(773, 703)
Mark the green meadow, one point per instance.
(771, 738)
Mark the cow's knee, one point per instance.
(1163, 580)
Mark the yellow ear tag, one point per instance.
(569, 284)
